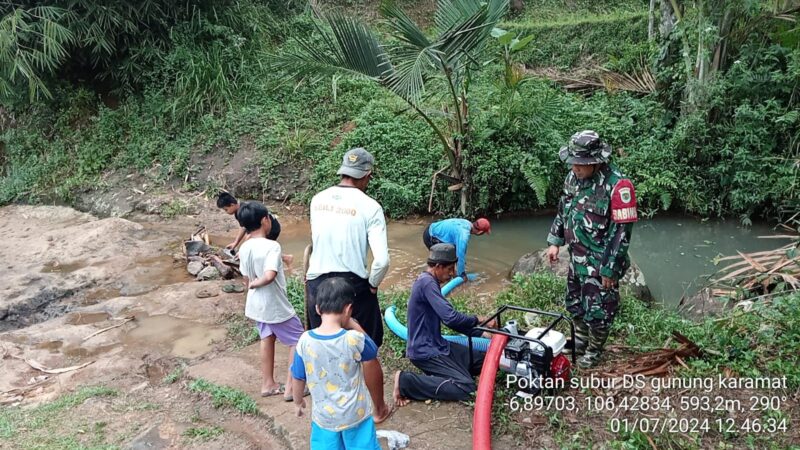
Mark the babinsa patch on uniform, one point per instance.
(623, 202)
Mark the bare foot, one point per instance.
(399, 401)
(380, 415)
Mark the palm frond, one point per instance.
(760, 273)
(414, 55)
(403, 27)
(465, 36)
(450, 13)
(470, 33)
(408, 78)
(347, 47)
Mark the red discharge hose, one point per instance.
(482, 418)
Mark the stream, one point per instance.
(673, 252)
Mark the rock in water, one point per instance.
(537, 262)
(194, 267)
(208, 273)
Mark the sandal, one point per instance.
(206, 293)
(278, 390)
(231, 288)
(290, 398)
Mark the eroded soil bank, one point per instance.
(112, 297)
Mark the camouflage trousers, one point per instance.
(587, 300)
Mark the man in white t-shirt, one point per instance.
(345, 222)
(267, 303)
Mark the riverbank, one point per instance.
(675, 252)
(123, 369)
(135, 358)
(747, 358)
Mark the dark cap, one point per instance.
(356, 163)
(442, 254)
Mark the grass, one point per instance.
(174, 208)
(173, 376)
(203, 433)
(240, 330)
(573, 20)
(225, 397)
(38, 427)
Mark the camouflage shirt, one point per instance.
(598, 246)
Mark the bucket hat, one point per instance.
(442, 254)
(584, 148)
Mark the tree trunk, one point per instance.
(721, 50)
(458, 173)
(651, 21)
(669, 54)
(668, 19)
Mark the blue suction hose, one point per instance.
(456, 282)
(478, 343)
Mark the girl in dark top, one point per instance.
(231, 205)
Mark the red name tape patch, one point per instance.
(623, 203)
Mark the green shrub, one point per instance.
(406, 156)
(617, 40)
(202, 89)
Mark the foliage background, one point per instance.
(149, 86)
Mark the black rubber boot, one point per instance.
(581, 338)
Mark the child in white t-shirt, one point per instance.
(267, 302)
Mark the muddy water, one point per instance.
(53, 346)
(174, 336)
(97, 295)
(56, 267)
(673, 252)
(82, 318)
(148, 274)
(178, 337)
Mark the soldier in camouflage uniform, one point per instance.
(595, 218)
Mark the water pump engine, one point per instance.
(536, 357)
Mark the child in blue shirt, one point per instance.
(328, 359)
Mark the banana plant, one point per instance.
(510, 44)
